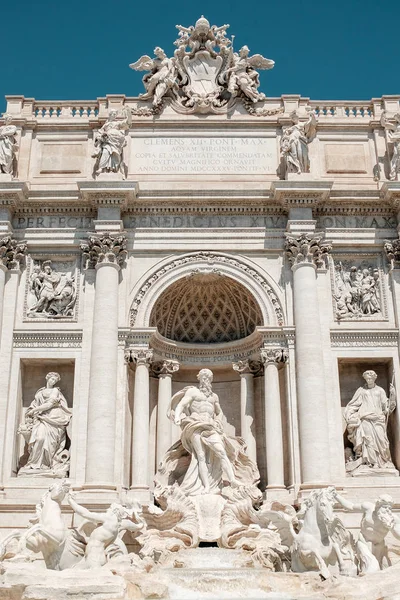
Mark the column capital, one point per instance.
(307, 249)
(392, 251)
(247, 367)
(12, 253)
(139, 356)
(166, 367)
(103, 249)
(274, 355)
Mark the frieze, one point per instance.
(47, 339)
(360, 339)
(210, 256)
(204, 221)
(357, 222)
(52, 222)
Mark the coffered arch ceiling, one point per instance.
(206, 308)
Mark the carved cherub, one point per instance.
(242, 75)
(162, 76)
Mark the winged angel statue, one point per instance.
(204, 75)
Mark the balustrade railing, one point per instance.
(65, 110)
(343, 110)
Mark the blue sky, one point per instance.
(325, 50)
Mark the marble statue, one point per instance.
(45, 431)
(321, 539)
(162, 76)
(214, 457)
(8, 146)
(204, 75)
(117, 518)
(377, 521)
(393, 130)
(55, 293)
(48, 531)
(109, 142)
(366, 417)
(357, 292)
(294, 144)
(242, 75)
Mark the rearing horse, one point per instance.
(322, 539)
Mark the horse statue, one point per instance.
(321, 539)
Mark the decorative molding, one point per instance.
(369, 339)
(104, 248)
(392, 251)
(47, 339)
(245, 367)
(12, 253)
(209, 257)
(139, 356)
(274, 355)
(307, 248)
(166, 367)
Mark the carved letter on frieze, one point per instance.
(12, 253)
(307, 248)
(392, 250)
(104, 249)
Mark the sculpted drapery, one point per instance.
(205, 456)
(366, 416)
(46, 421)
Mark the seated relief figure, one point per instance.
(45, 431)
(55, 293)
(366, 416)
(205, 457)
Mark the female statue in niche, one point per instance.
(45, 431)
(366, 416)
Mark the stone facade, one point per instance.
(200, 242)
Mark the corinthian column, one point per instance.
(306, 253)
(164, 370)
(247, 370)
(271, 357)
(141, 415)
(106, 254)
(12, 255)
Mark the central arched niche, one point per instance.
(206, 308)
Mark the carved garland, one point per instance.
(209, 256)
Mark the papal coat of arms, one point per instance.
(204, 75)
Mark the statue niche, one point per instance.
(366, 417)
(45, 431)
